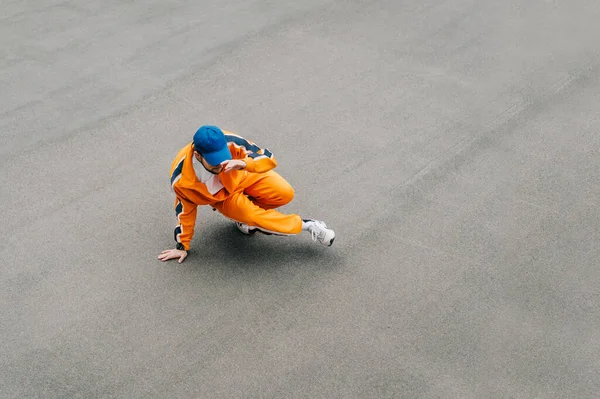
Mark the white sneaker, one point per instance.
(319, 232)
(244, 228)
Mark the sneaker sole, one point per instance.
(249, 233)
(330, 241)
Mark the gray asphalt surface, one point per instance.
(454, 146)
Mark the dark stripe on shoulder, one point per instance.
(243, 142)
(254, 149)
(177, 170)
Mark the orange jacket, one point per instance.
(190, 192)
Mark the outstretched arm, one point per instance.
(184, 231)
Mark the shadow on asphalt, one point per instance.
(226, 248)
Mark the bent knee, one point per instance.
(286, 194)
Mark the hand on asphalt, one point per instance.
(172, 254)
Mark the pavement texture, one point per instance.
(453, 145)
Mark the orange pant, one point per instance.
(262, 192)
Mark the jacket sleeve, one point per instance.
(257, 159)
(186, 221)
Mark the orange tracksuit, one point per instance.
(249, 195)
